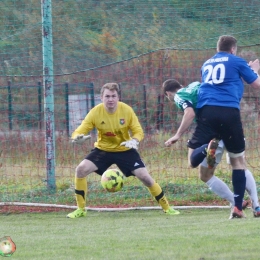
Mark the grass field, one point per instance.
(139, 234)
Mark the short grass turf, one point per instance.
(136, 234)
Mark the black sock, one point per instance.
(239, 186)
(198, 155)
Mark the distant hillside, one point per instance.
(87, 34)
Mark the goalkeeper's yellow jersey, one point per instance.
(112, 129)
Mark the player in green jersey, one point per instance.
(185, 99)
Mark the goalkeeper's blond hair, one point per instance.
(110, 86)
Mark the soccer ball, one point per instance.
(112, 180)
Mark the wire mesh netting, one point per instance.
(138, 44)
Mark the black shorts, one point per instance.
(126, 161)
(219, 122)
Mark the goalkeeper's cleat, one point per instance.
(211, 158)
(236, 213)
(77, 213)
(171, 211)
(256, 212)
(245, 204)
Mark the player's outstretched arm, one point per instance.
(172, 140)
(80, 139)
(186, 122)
(255, 66)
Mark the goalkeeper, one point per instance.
(113, 121)
(185, 99)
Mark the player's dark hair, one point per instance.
(226, 43)
(110, 86)
(171, 85)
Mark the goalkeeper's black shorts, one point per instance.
(126, 161)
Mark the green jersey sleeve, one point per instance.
(187, 96)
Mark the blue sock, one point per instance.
(198, 155)
(239, 186)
